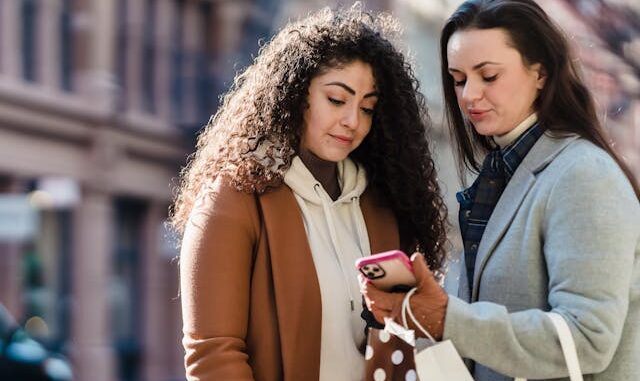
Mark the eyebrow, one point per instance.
(475, 67)
(350, 90)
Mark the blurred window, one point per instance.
(29, 31)
(178, 57)
(1, 12)
(125, 287)
(66, 45)
(149, 57)
(47, 274)
(259, 26)
(204, 84)
(121, 53)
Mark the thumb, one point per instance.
(423, 275)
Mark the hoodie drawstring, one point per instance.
(361, 227)
(328, 215)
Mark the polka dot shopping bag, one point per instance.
(388, 358)
(391, 354)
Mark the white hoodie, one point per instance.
(337, 236)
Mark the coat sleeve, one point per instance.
(590, 233)
(215, 270)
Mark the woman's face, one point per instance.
(495, 89)
(341, 103)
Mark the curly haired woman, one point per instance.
(316, 157)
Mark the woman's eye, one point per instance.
(490, 79)
(368, 111)
(459, 83)
(336, 101)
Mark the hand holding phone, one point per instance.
(389, 271)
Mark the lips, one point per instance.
(477, 115)
(343, 139)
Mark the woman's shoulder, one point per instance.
(589, 172)
(221, 191)
(583, 156)
(220, 200)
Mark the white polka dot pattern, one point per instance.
(368, 353)
(411, 376)
(384, 336)
(379, 375)
(397, 357)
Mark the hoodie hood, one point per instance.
(351, 177)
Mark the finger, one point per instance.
(380, 315)
(385, 305)
(381, 299)
(362, 282)
(389, 303)
(421, 270)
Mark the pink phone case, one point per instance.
(388, 269)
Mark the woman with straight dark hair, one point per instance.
(552, 222)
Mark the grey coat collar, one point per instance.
(542, 153)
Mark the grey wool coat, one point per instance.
(564, 236)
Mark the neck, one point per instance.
(511, 136)
(326, 172)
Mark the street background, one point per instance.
(100, 101)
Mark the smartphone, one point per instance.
(389, 271)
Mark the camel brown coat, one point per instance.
(250, 295)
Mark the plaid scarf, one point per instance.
(479, 200)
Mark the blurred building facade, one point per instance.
(605, 35)
(99, 102)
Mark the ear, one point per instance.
(541, 73)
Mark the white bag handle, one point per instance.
(406, 308)
(561, 326)
(568, 347)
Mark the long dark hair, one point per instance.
(256, 132)
(564, 105)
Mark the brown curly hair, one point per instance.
(255, 134)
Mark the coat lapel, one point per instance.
(541, 154)
(296, 288)
(295, 281)
(463, 283)
(501, 217)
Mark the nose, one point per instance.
(472, 92)
(350, 118)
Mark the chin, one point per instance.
(335, 158)
(485, 129)
(335, 155)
